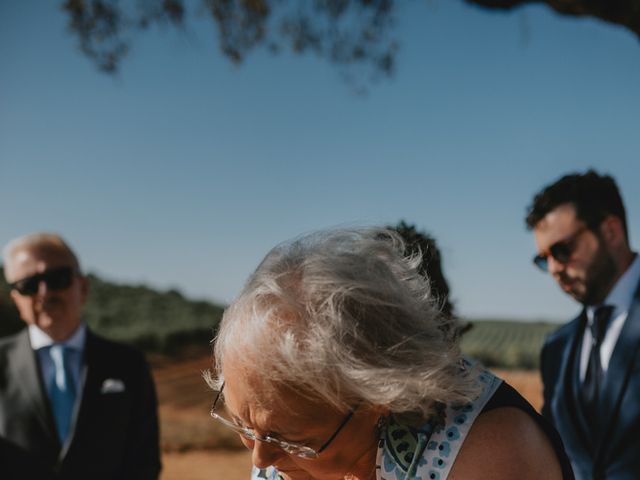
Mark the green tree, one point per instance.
(423, 244)
(9, 319)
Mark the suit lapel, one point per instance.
(84, 401)
(77, 408)
(26, 371)
(620, 367)
(566, 406)
(91, 376)
(583, 424)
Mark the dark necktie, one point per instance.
(594, 376)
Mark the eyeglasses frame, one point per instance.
(292, 448)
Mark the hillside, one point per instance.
(154, 321)
(506, 343)
(163, 322)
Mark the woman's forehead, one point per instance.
(251, 397)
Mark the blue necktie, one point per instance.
(62, 390)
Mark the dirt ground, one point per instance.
(206, 465)
(196, 448)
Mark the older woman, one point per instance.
(335, 363)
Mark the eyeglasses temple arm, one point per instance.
(335, 434)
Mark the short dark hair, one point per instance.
(594, 197)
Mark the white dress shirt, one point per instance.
(620, 298)
(40, 340)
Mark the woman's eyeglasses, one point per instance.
(561, 251)
(291, 448)
(56, 279)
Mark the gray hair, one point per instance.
(35, 241)
(342, 316)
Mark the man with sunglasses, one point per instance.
(81, 405)
(591, 366)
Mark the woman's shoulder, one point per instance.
(506, 443)
(494, 436)
(506, 397)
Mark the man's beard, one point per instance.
(599, 278)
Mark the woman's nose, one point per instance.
(264, 454)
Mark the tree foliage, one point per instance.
(9, 319)
(346, 32)
(621, 12)
(356, 35)
(424, 244)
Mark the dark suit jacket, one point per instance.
(16, 462)
(116, 429)
(614, 454)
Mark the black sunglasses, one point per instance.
(56, 279)
(561, 251)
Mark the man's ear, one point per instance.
(612, 231)
(84, 288)
(14, 295)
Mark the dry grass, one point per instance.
(207, 465)
(185, 401)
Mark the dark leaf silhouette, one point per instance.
(352, 34)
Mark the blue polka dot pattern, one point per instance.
(460, 419)
(439, 462)
(435, 445)
(453, 433)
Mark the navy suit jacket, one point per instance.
(614, 454)
(115, 435)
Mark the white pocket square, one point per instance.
(112, 385)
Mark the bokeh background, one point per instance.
(174, 173)
(182, 169)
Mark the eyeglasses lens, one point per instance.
(541, 262)
(561, 252)
(299, 450)
(55, 279)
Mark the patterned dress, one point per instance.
(425, 453)
(428, 453)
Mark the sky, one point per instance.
(183, 170)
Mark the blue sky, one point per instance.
(183, 170)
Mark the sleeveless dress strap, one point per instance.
(428, 453)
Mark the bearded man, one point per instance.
(591, 366)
